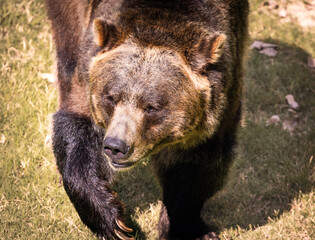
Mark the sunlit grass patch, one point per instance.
(298, 223)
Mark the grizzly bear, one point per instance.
(147, 80)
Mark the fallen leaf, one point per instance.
(275, 119)
(260, 45)
(48, 76)
(2, 139)
(265, 48)
(311, 62)
(271, 52)
(290, 99)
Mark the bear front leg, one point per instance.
(193, 177)
(184, 194)
(77, 145)
(205, 233)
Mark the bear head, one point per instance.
(149, 97)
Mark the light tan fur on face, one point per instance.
(190, 116)
(125, 123)
(212, 118)
(207, 120)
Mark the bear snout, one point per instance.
(115, 148)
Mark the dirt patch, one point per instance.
(301, 12)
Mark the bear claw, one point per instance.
(122, 236)
(210, 236)
(122, 226)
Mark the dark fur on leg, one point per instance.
(86, 175)
(188, 184)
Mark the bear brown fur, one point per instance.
(147, 79)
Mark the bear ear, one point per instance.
(208, 50)
(105, 35)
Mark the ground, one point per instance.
(270, 192)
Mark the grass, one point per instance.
(270, 192)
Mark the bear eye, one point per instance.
(110, 99)
(150, 109)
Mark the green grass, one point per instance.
(270, 192)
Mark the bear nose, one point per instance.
(115, 148)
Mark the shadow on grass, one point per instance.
(138, 188)
(272, 165)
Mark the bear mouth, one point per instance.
(118, 160)
(124, 163)
(120, 165)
